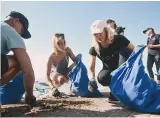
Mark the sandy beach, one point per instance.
(66, 106)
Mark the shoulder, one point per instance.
(6, 29)
(10, 33)
(119, 37)
(52, 55)
(92, 51)
(68, 50)
(11, 37)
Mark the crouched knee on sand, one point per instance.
(58, 62)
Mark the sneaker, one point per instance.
(112, 99)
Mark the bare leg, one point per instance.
(69, 69)
(58, 79)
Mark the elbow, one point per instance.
(91, 69)
(131, 47)
(74, 59)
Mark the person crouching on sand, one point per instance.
(57, 66)
(106, 46)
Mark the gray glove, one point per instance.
(92, 85)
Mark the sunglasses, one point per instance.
(60, 35)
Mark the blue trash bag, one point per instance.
(12, 92)
(79, 80)
(132, 86)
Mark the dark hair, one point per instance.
(149, 29)
(110, 21)
(120, 30)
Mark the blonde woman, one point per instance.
(106, 46)
(57, 66)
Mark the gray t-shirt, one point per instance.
(10, 39)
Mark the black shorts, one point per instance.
(4, 64)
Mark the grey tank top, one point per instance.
(62, 66)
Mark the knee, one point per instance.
(104, 78)
(61, 80)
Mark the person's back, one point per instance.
(6, 42)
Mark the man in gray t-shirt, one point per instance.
(13, 29)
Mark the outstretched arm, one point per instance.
(92, 63)
(26, 67)
(49, 66)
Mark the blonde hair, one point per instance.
(109, 39)
(56, 47)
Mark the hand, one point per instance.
(30, 100)
(92, 85)
(66, 78)
(150, 46)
